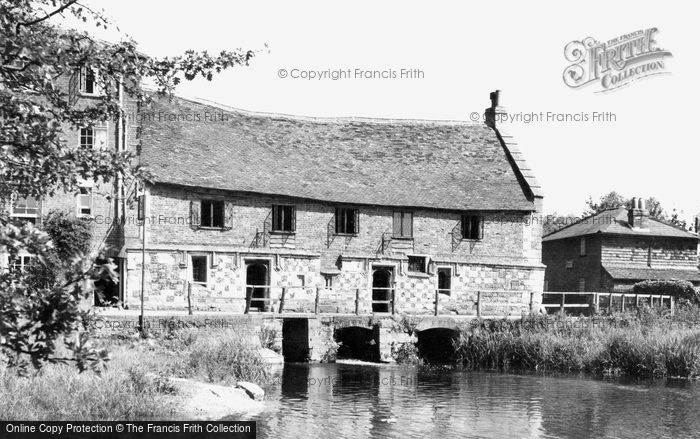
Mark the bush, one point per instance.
(680, 289)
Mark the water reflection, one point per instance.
(348, 401)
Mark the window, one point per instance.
(283, 218)
(582, 284)
(212, 213)
(199, 269)
(85, 202)
(472, 227)
(20, 263)
(329, 280)
(417, 264)
(583, 247)
(546, 285)
(88, 81)
(403, 224)
(569, 263)
(95, 137)
(444, 280)
(346, 221)
(28, 209)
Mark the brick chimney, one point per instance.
(495, 112)
(638, 215)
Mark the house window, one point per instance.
(583, 247)
(329, 281)
(212, 213)
(199, 269)
(403, 224)
(417, 264)
(88, 81)
(472, 227)
(346, 221)
(283, 218)
(28, 209)
(95, 137)
(546, 285)
(85, 202)
(444, 280)
(582, 284)
(20, 263)
(569, 263)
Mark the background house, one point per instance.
(616, 248)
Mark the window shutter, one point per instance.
(357, 221)
(481, 227)
(294, 218)
(407, 224)
(397, 223)
(195, 212)
(73, 85)
(228, 215)
(337, 220)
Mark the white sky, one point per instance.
(465, 50)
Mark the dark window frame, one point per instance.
(214, 212)
(446, 291)
(472, 227)
(200, 262)
(422, 265)
(347, 221)
(284, 218)
(402, 214)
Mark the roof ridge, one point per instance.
(580, 221)
(330, 119)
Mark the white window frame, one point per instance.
(101, 127)
(82, 82)
(24, 262)
(450, 272)
(13, 214)
(426, 262)
(80, 207)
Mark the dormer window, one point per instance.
(283, 218)
(472, 227)
(88, 81)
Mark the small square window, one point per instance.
(472, 227)
(582, 284)
(20, 263)
(283, 218)
(403, 224)
(417, 264)
(569, 263)
(346, 221)
(199, 269)
(212, 213)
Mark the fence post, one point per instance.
(437, 296)
(284, 293)
(248, 296)
(636, 301)
(597, 302)
(651, 301)
(610, 302)
(532, 305)
(189, 298)
(318, 296)
(622, 305)
(357, 301)
(478, 304)
(393, 299)
(673, 308)
(563, 298)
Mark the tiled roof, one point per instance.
(637, 273)
(430, 164)
(614, 221)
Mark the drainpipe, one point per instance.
(142, 212)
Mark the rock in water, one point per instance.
(252, 389)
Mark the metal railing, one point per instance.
(593, 300)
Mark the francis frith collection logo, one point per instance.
(614, 63)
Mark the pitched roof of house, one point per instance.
(614, 222)
(641, 273)
(430, 164)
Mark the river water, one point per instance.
(390, 401)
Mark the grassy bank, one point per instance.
(645, 344)
(135, 383)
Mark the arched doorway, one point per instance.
(382, 279)
(257, 280)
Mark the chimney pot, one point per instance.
(495, 112)
(637, 215)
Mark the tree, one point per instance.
(35, 55)
(608, 201)
(613, 199)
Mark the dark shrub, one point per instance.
(680, 289)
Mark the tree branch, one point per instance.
(39, 20)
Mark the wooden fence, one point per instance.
(594, 302)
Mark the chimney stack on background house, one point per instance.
(637, 215)
(495, 112)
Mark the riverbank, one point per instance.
(190, 373)
(640, 344)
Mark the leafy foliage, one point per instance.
(680, 289)
(37, 60)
